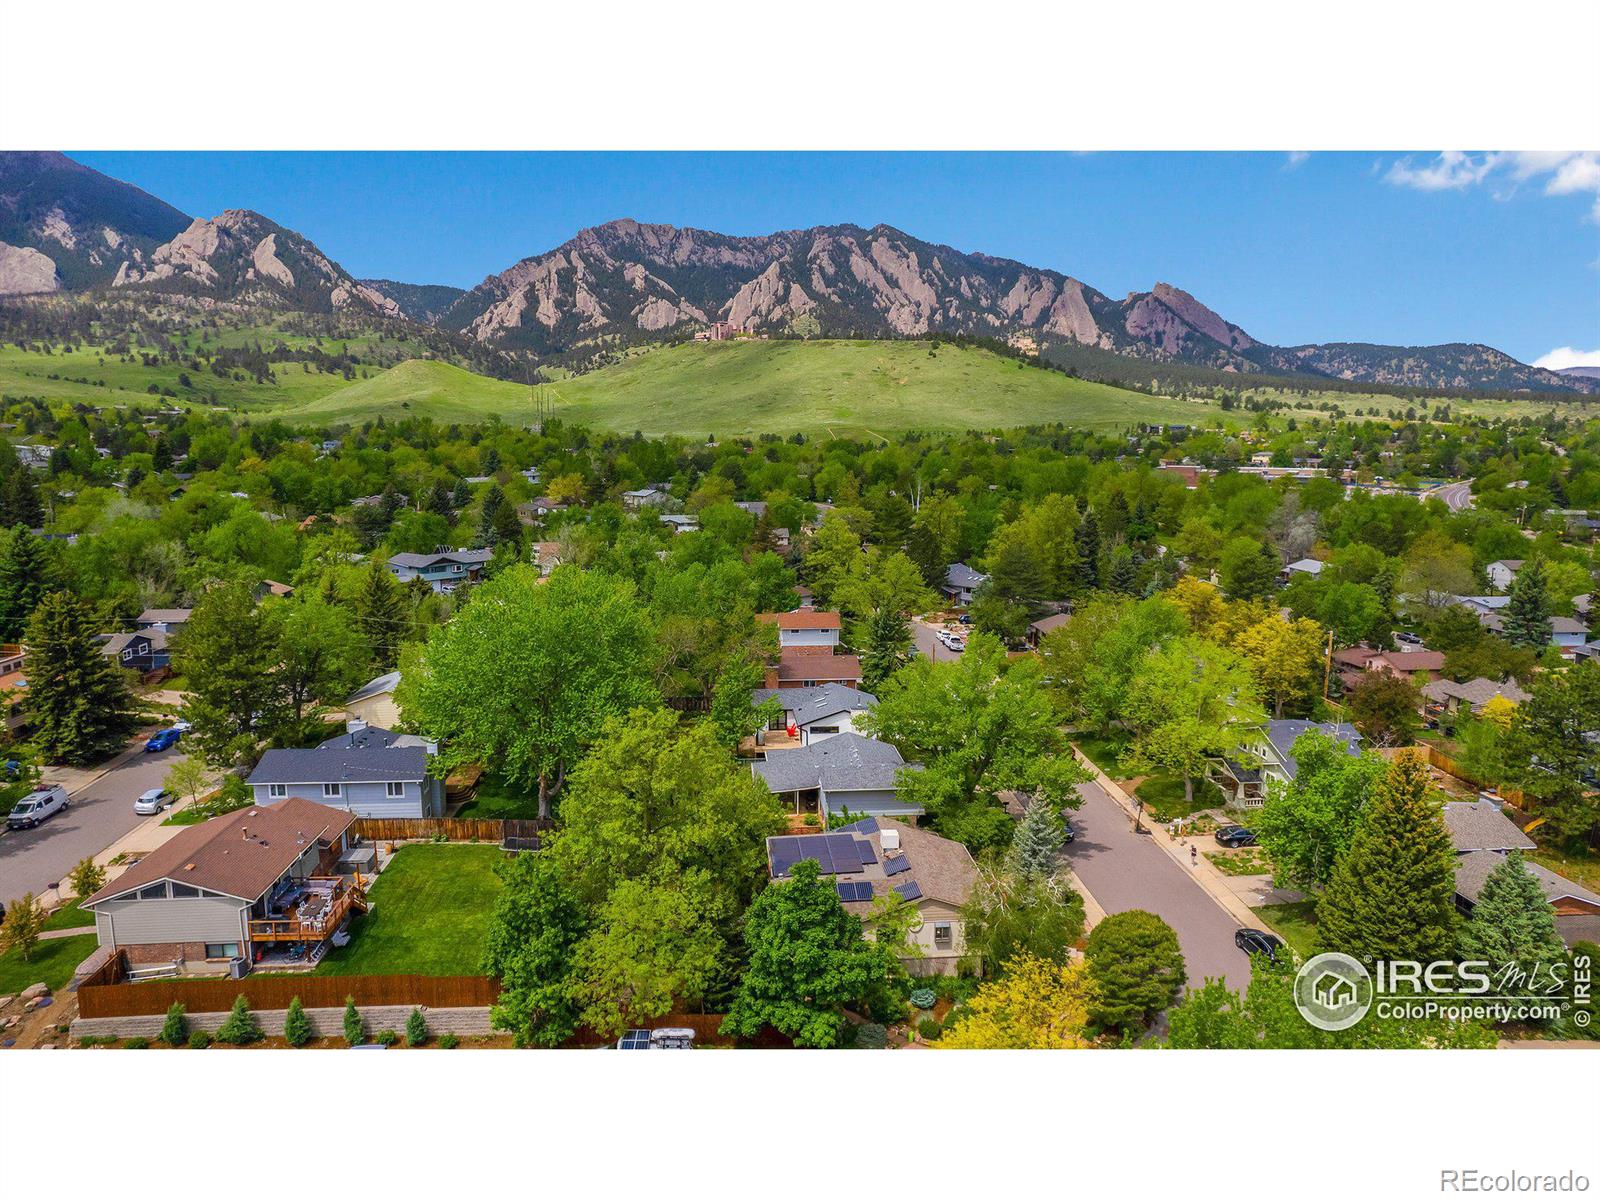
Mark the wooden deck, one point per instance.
(308, 921)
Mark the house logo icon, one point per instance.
(1333, 991)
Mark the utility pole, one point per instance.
(1327, 665)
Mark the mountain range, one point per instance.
(65, 227)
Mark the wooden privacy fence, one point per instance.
(456, 829)
(1437, 758)
(275, 991)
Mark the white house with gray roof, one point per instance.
(1266, 756)
(369, 778)
(843, 772)
(818, 713)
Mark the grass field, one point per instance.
(69, 916)
(496, 800)
(751, 387)
(1295, 923)
(430, 915)
(52, 964)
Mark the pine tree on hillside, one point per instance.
(19, 500)
(1528, 609)
(77, 700)
(1038, 839)
(384, 616)
(1392, 894)
(1087, 541)
(1512, 921)
(26, 576)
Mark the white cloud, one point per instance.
(1566, 356)
(1296, 157)
(1565, 173)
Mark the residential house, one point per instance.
(535, 511)
(37, 457)
(803, 668)
(817, 713)
(843, 772)
(166, 620)
(1445, 698)
(1266, 755)
(1566, 633)
(756, 508)
(1356, 661)
(271, 587)
(1502, 571)
(1044, 626)
(1302, 566)
(646, 497)
(444, 570)
(358, 735)
(874, 856)
(368, 779)
(1482, 837)
(547, 557)
(681, 522)
(260, 885)
(805, 630)
(144, 650)
(13, 684)
(960, 582)
(374, 703)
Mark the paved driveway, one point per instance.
(100, 813)
(1124, 870)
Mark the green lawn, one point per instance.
(1163, 797)
(1250, 861)
(1295, 923)
(430, 915)
(52, 963)
(497, 800)
(69, 916)
(1103, 750)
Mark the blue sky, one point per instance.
(1503, 249)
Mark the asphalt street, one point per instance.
(928, 645)
(1456, 496)
(31, 860)
(1124, 871)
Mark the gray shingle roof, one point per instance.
(816, 703)
(420, 561)
(1284, 734)
(1473, 871)
(406, 764)
(1474, 692)
(964, 577)
(377, 687)
(845, 762)
(164, 616)
(1480, 825)
(372, 737)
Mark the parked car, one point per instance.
(1234, 836)
(182, 726)
(1408, 641)
(965, 619)
(1069, 835)
(164, 739)
(1258, 941)
(151, 802)
(36, 806)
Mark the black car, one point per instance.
(1234, 836)
(1258, 941)
(1067, 835)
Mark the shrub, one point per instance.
(387, 1038)
(354, 1031)
(448, 1041)
(924, 997)
(136, 1043)
(241, 1028)
(176, 1029)
(296, 1025)
(930, 1029)
(199, 1040)
(416, 1028)
(871, 1036)
(1136, 967)
(88, 1041)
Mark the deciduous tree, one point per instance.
(1035, 1004)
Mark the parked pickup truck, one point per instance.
(37, 806)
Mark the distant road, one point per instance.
(928, 644)
(1456, 496)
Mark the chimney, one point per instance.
(244, 834)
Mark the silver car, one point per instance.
(151, 802)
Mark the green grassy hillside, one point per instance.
(750, 387)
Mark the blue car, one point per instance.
(166, 739)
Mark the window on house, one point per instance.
(156, 891)
(824, 729)
(277, 791)
(126, 655)
(222, 949)
(394, 790)
(943, 936)
(332, 791)
(182, 891)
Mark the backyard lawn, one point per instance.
(52, 963)
(1163, 797)
(1295, 923)
(496, 800)
(430, 915)
(1583, 867)
(69, 916)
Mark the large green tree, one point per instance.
(808, 962)
(77, 700)
(228, 655)
(383, 614)
(322, 654)
(533, 937)
(1136, 969)
(1306, 825)
(1550, 753)
(1512, 922)
(1392, 894)
(1010, 912)
(27, 574)
(1528, 607)
(528, 672)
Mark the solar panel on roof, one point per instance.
(635, 1039)
(864, 849)
(854, 892)
(783, 853)
(893, 866)
(909, 890)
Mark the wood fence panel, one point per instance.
(1441, 760)
(456, 829)
(275, 991)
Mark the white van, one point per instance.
(37, 806)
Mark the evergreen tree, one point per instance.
(26, 575)
(296, 1025)
(460, 495)
(439, 501)
(229, 653)
(1136, 968)
(355, 1030)
(416, 1028)
(1392, 895)
(77, 700)
(1039, 837)
(1513, 922)
(923, 547)
(161, 454)
(19, 500)
(1015, 575)
(1124, 573)
(384, 616)
(240, 1028)
(1528, 609)
(493, 501)
(1087, 542)
(175, 1029)
(889, 646)
(506, 528)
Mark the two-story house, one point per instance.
(805, 629)
(1266, 755)
(1503, 572)
(368, 776)
(817, 713)
(443, 570)
(143, 650)
(961, 582)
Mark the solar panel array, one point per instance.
(835, 853)
(854, 891)
(864, 848)
(635, 1039)
(893, 866)
(909, 890)
(864, 826)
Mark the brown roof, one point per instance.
(1355, 656)
(942, 868)
(818, 666)
(1047, 624)
(1415, 660)
(239, 854)
(801, 618)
